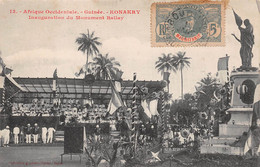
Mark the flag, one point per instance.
(55, 75)
(119, 74)
(223, 70)
(146, 110)
(144, 115)
(115, 102)
(115, 74)
(258, 5)
(118, 86)
(54, 82)
(223, 63)
(81, 71)
(7, 70)
(153, 107)
(238, 19)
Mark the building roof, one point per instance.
(97, 89)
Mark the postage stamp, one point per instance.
(187, 24)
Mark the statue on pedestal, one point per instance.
(246, 40)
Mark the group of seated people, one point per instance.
(87, 114)
(43, 107)
(83, 111)
(25, 134)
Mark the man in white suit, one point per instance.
(6, 134)
(51, 131)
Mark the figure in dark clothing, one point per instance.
(124, 129)
(62, 119)
(22, 134)
(97, 133)
(28, 133)
(246, 40)
(36, 131)
(142, 136)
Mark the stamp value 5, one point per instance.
(187, 24)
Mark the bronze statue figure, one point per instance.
(246, 40)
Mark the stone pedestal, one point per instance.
(244, 83)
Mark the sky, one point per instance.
(35, 48)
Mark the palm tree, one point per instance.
(180, 61)
(88, 43)
(207, 81)
(105, 66)
(165, 63)
(205, 90)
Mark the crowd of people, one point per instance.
(176, 136)
(27, 134)
(68, 109)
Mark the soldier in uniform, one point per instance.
(28, 133)
(36, 131)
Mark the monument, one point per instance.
(243, 81)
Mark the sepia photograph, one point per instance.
(130, 83)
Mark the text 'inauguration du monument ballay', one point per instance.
(75, 14)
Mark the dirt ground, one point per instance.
(34, 156)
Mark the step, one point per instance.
(59, 136)
(115, 133)
(37, 144)
(220, 140)
(221, 149)
(59, 133)
(172, 150)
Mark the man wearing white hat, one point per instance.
(6, 134)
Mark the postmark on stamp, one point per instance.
(187, 24)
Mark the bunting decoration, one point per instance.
(84, 140)
(163, 110)
(2, 91)
(134, 97)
